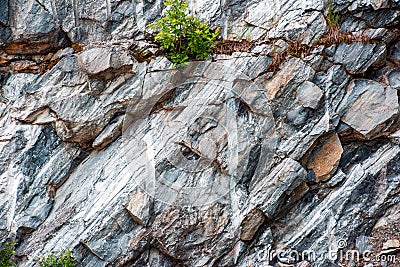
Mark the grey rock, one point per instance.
(77, 105)
(358, 57)
(109, 134)
(215, 163)
(139, 207)
(105, 62)
(371, 108)
(362, 5)
(4, 12)
(395, 54)
(352, 24)
(380, 18)
(297, 116)
(33, 25)
(380, 34)
(62, 53)
(309, 95)
(288, 78)
(394, 79)
(283, 179)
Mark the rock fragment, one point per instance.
(309, 95)
(358, 57)
(370, 108)
(251, 224)
(324, 157)
(105, 62)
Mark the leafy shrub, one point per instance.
(6, 254)
(182, 36)
(64, 260)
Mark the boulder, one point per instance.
(105, 62)
(370, 108)
(324, 157)
(358, 57)
(309, 95)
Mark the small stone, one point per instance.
(281, 181)
(394, 79)
(26, 66)
(297, 116)
(45, 117)
(251, 223)
(62, 53)
(291, 75)
(139, 207)
(395, 54)
(309, 95)
(298, 192)
(324, 157)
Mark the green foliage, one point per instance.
(182, 36)
(64, 260)
(333, 17)
(6, 254)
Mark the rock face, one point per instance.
(286, 145)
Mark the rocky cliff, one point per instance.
(282, 150)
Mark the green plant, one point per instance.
(183, 36)
(64, 260)
(333, 17)
(6, 254)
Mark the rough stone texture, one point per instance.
(216, 163)
(394, 79)
(324, 157)
(309, 95)
(358, 57)
(251, 223)
(104, 63)
(371, 108)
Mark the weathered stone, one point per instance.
(394, 79)
(380, 18)
(370, 107)
(291, 75)
(391, 243)
(251, 223)
(358, 57)
(4, 12)
(26, 66)
(208, 152)
(139, 207)
(395, 54)
(303, 264)
(309, 95)
(324, 157)
(105, 62)
(109, 134)
(282, 180)
(33, 29)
